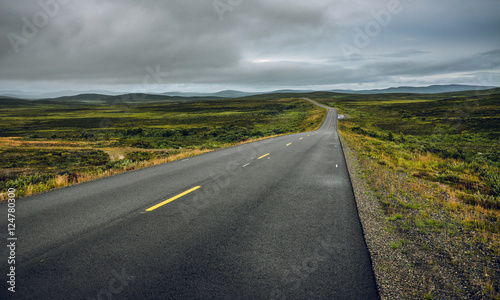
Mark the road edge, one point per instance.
(372, 220)
(369, 215)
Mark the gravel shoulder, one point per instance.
(411, 265)
(391, 271)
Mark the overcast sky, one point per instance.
(250, 45)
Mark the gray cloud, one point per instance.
(258, 44)
(404, 53)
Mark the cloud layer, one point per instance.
(251, 45)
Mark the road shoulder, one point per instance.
(392, 270)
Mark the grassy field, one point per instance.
(433, 162)
(47, 145)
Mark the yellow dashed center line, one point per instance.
(173, 198)
(264, 156)
(301, 138)
(288, 144)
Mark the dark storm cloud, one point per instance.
(118, 40)
(245, 43)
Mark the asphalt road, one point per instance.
(274, 219)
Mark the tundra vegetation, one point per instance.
(50, 144)
(430, 161)
(433, 164)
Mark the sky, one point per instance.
(249, 45)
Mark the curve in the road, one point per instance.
(274, 219)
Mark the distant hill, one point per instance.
(120, 99)
(232, 94)
(109, 97)
(292, 92)
(13, 101)
(433, 89)
(222, 94)
(235, 94)
(184, 94)
(31, 96)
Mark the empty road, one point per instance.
(274, 219)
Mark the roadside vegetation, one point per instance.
(433, 163)
(48, 145)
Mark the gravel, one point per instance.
(408, 265)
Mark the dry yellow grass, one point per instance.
(115, 154)
(434, 211)
(19, 142)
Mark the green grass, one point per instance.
(395, 217)
(397, 245)
(458, 134)
(45, 145)
(159, 125)
(433, 162)
(51, 158)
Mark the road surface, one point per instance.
(274, 219)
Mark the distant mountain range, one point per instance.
(120, 99)
(23, 95)
(433, 89)
(95, 95)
